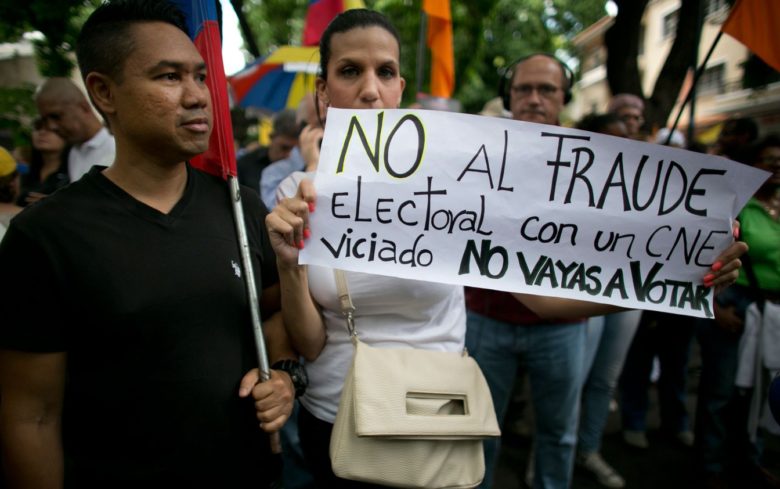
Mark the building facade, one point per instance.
(719, 91)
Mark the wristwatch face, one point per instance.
(297, 373)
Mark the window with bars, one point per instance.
(669, 25)
(714, 6)
(712, 81)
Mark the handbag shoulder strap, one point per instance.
(345, 300)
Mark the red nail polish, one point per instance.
(709, 277)
(311, 206)
(300, 245)
(306, 233)
(736, 233)
(717, 266)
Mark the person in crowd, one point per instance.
(9, 189)
(139, 370)
(48, 165)
(607, 341)
(735, 138)
(607, 123)
(668, 338)
(725, 454)
(284, 137)
(501, 331)
(360, 63)
(64, 109)
(630, 109)
(304, 158)
(551, 341)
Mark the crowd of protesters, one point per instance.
(126, 350)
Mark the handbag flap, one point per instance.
(420, 393)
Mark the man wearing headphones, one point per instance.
(501, 330)
(539, 87)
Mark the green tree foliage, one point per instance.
(17, 108)
(57, 20)
(276, 22)
(488, 34)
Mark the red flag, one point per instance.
(440, 44)
(756, 24)
(203, 27)
(319, 15)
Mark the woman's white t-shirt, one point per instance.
(389, 313)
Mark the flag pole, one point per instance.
(691, 91)
(220, 159)
(251, 288)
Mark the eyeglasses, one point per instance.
(544, 90)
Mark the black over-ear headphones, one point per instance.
(509, 72)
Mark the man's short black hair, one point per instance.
(285, 124)
(599, 123)
(104, 42)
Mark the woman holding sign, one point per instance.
(360, 62)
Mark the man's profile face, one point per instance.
(64, 117)
(536, 92)
(162, 105)
(281, 146)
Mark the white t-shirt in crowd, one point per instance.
(389, 313)
(99, 151)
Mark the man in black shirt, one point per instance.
(126, 351)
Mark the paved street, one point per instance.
(664, 465)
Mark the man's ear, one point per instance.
(101, 91)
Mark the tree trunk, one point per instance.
(622, 43)
(680, 59)
(246, 30)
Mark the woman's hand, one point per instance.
(309, 141)
(725, 270)
(288, 224)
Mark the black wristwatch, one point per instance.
(297, 373)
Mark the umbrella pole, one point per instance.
(254, 304)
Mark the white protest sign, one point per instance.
(523, 207)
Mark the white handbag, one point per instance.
(410, 417)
